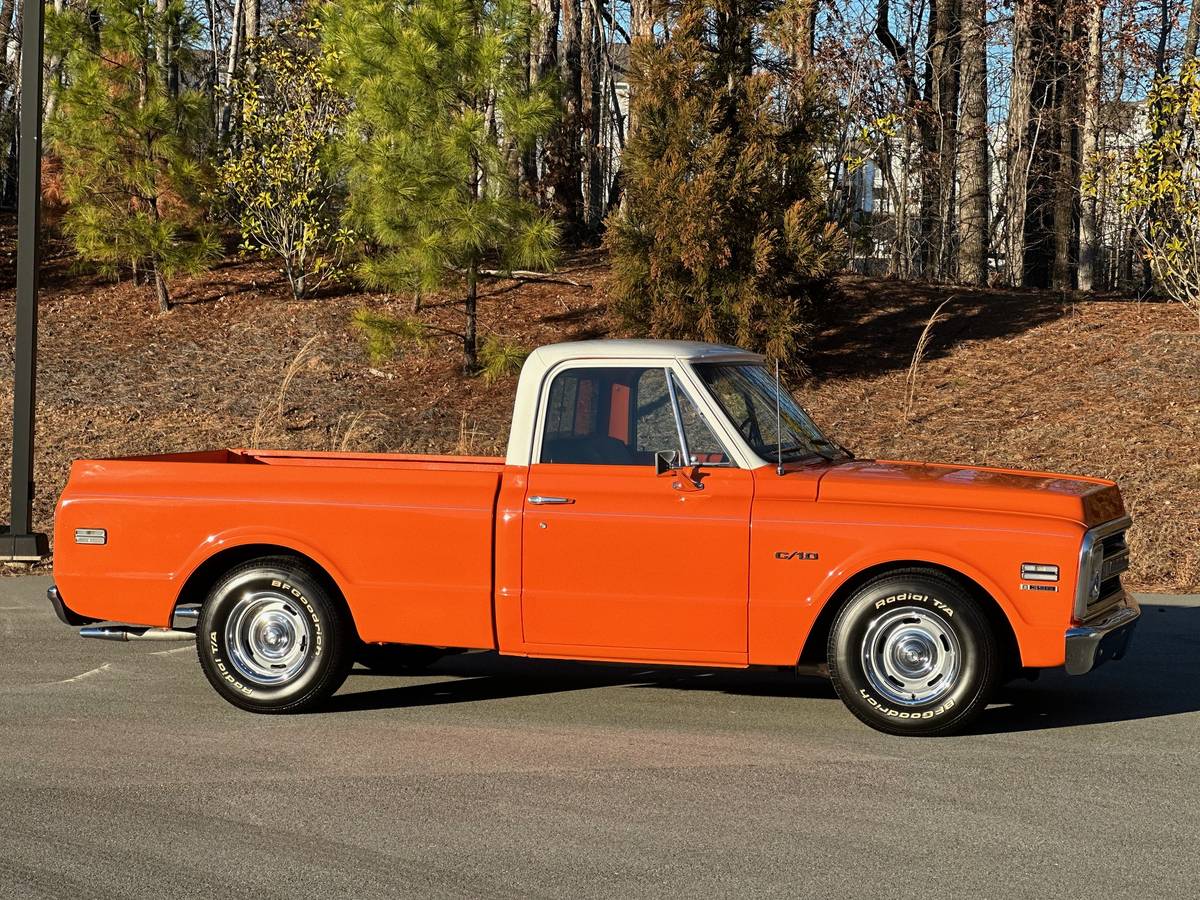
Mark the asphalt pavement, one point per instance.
(123, 775)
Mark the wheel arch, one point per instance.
(203, 576)
(813, 651)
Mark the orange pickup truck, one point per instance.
(660, 503)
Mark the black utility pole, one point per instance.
(19, 542)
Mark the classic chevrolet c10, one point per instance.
(660, 503)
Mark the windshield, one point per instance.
(746, 394)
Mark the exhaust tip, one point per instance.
(105, 633)
(135, 633)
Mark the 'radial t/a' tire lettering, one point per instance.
(911, 653)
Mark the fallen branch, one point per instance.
(522, 275)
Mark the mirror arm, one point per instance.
(686, 458)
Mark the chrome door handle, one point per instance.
(550, 501)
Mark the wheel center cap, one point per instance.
(915, 655)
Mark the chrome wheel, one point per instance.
(911, 656)
(268, 637)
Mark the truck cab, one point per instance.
(660, 502)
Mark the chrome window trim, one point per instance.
(679, 389)
(739, 456)
(685, 453)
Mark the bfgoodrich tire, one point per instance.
(911, 653)
(271, 639)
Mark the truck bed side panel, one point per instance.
(410, 545)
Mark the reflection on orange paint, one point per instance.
(638, 567)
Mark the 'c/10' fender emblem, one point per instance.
(796, 554)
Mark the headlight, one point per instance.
(1095, 569)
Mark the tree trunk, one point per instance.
(641, 19)
(8, 118)
(565, 159)
(806, 37)
(974, 200)
(160, 291)
(593, 104)
(252, 11)
(1192, 38)
(543, 60)
(1018, 150)
(53, 82)
(1089, 237)
(1165, 26)
(1044, 137)
(214, 63)
(940, 131)
(641, 29)
(544, 56)
(1066, 181)
(7, 8)
(470, 348)
(165, 48)
(913, 252)
(162, 39)
(231, 67)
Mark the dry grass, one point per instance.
(269, 423)
(1024, 379)
(474, 442)
(910, 381)
(1031, 380)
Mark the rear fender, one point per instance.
(244, 537)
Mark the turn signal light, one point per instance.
(1038, 572)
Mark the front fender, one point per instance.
(785, 608)
(897, 557)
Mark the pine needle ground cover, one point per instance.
(1021, 378)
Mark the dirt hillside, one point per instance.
(1029, 379)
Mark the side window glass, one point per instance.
(702, 443)
(654, 420)
(610, 416)
(588, 417)
(560, 411)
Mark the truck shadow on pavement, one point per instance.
(1160, 676)
(474, 677)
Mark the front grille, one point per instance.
(1116, 561)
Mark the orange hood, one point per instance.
(1090, 501)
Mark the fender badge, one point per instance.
(1052, 588)
(796, 554)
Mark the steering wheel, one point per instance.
(750, 431)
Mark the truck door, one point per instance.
(619, 561)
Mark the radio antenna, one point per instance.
(778, 429)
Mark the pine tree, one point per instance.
(132, 169)
(723, 236)
(443, 110)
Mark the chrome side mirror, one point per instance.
(665, 461)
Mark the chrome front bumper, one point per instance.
(1103, 638)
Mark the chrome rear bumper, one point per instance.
(1102, 639)
(65, 614)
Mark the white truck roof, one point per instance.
(693, 351)
(631, 352)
